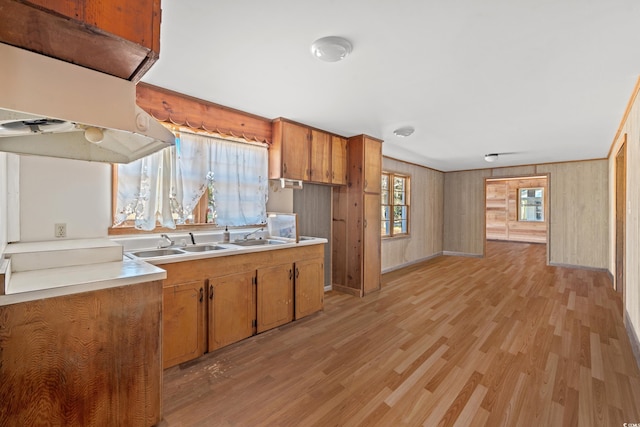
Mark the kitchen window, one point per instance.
(201, 180)
(395, 204)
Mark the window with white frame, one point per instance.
(395, 204)
(201, 180)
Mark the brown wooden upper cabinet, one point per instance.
(338, 160)
(118, 37)
(372, 159)
(303, 153)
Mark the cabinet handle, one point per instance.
(333, 175)
(366, 184)
(210, 291)
(201, 294)
(365, 223)
(297, 272)
(284, 167)
(290, 274)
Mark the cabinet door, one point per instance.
(338, 160)
(275, 296)
(309, 287)
(232, 309)
(371, 244)
(183, 323)
(295, 151)
(320, 157)
(372, 165)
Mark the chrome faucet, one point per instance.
(246, 236)
(167, 239)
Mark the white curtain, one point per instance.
(240, 183)
(193, 166)
(166, 186)
(140, 191)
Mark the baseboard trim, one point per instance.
(581, 267)
(410, 263)
(347, 290)
(452, 253)
(633, 337)
(328, 288)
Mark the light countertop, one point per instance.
(52, 282)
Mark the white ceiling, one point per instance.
(548, 80)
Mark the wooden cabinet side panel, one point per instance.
(372, 244)
(275, 296)
(55, 35)
(372, 165)
(183, 323)
(338, 160)
(232, 309)
(131, 20)
(82, 359)
(320, 157)
(309, 287)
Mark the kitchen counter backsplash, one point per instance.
(147, 241)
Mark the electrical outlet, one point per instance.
(60, 230)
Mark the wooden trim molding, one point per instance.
(633, 337)
(625, 116)
(182, 110)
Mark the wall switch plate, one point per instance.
(60, 230)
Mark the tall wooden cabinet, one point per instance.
(356, 224)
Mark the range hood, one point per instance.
(57, 109)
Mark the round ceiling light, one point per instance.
(404, 131)
(331, 49)
(491, 157)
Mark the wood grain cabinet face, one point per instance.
(289, 153)
(309, 287)
(183, 323)
(275, 296)
(371, 250)
(338, 160)
(320, 157)
(372, 165)
(117, 37)
(232, 309)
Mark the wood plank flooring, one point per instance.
(503, 340)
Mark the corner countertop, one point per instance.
(52, 282)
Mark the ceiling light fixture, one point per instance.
(491, 157)
(331, 49)
(404, 131)
(94, 135)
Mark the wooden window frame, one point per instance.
(407, 197)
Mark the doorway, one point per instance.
(516, 209)
(621, 197)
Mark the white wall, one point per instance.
(280, 199)
(74, 192)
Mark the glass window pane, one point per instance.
(385, 197)
(398, 198)
(386, 212)
(385, 182)
(386, 228)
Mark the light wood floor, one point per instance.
(503, 340)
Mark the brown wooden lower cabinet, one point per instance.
(87, 359)
(183, 322)
(206, 308)
(275, 296)
(309, 287)
(232, 308)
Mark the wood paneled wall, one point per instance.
(182, 110)
(502, 211)
(427, 217)
(464, 222)
(630, 126)
(313, 206)
(578, 216)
